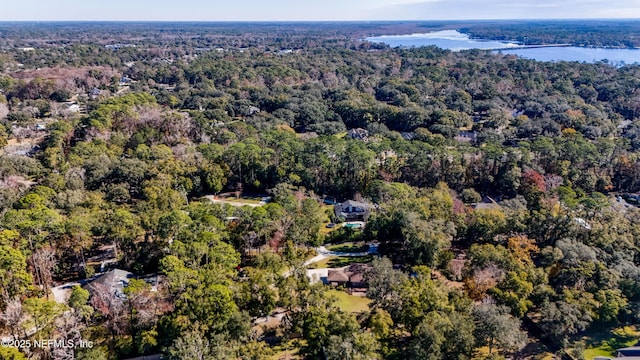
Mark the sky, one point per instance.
(303, 10)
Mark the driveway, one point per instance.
(323, 253)
(216, 200)
(61, 292)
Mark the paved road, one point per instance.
(61, 292)
(276, 316)
(324, 253)
(215, 200)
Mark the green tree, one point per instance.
(14, 279)
(418, 297)
(10, 353)
(360, 346)
(261, 296)
(384, 283)
(441, 336)
(470, 196)
(94, 353)
(78, 301)
(43, 314)
(191, 345)
(561, 319)
(496, 328)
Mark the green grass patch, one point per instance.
(350, 303)
(605, 343)
(589, 354)
(349, 247)
(244, 200)
(343, 235)
(324, 230)
(342, 261)
(326, 213)
(327, 209)
(348, 260)
(324, 263)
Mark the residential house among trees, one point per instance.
(358, 134)
(352, 276)
(337, 277)
(352, 210)
(113, 282)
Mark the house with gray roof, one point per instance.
(352, 210)
(629, 352)
(114, 281)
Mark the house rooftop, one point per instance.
(357, 272)
(114, 281)
(352, 275)
(337, 275)
(358, 134)
(115, 275)
(353, 210)
(629, 352)
(355, 204)
(633, 348)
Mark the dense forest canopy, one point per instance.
(204, 161)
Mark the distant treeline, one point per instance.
(594, 33)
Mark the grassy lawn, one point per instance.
(325, 211)
(323, 263)
(338, 262)
(324, 230)
(349, 247)
(604, 343)
(350, 303)
(243, 200)
(592, 353)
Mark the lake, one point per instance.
(580, 54)
(456, 41)
(446, 39)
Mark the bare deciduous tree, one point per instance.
(43, 262)
(13, 317)
(4, 110)
(484, 279)
(110, 306)
(67, 329)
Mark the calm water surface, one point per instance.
(580, 54)
(446, 39)
(456, 41)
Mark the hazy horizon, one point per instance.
(382, 21)
(314, 10)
